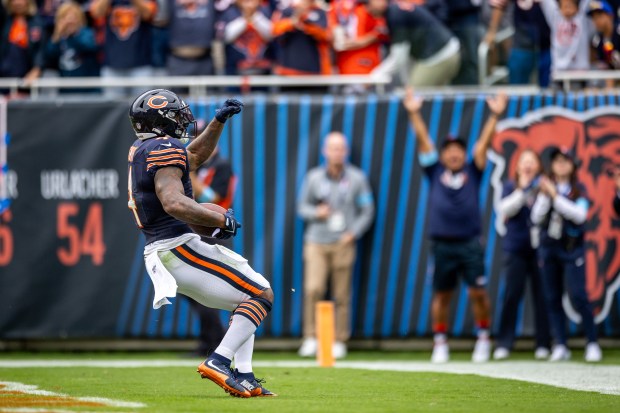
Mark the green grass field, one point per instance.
(301, 389)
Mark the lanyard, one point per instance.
(334, 192)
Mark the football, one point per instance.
(207, 231)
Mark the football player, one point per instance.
(160, 198)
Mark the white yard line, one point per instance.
(11, 386)
(46, 410)
(570, 375)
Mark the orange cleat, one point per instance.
(221, 375)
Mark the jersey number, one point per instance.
(89, 242)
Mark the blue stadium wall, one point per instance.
(276, 140)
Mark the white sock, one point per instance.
(240, 330)
(243, 357)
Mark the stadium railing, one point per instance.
(197, 85)
(568, 76)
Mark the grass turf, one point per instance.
(179, 389)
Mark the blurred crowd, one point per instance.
(420, 42)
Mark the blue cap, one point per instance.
(453, 140)
(600, 5)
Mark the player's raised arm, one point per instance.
(413, 104)
(497, 106)
(203, 146)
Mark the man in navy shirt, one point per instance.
(454, 223)
(192, 30)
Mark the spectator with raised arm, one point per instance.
(454, 223)
(531, 43)
(520, 261)
(568, 22)
(127, 47)
(561, 211)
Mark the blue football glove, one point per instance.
(231, 225)
(230, 108)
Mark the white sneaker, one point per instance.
(593, 353)
(560, 353)
(482, 351)
(441, 353)
(308, 348)
(541, 353)
(501, 353)
(339, 350)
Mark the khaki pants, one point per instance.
(438, 72)
(321, 261)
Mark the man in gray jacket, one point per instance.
(336, 203)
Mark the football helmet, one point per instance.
(160, 112)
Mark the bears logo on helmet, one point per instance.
(160, 112)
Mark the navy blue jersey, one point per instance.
(192, 23)
(454, 211)
(128, 38)
(248, 53)
(145, 158)
(303, 48)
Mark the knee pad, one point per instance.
(254, 309)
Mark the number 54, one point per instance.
(89, 242)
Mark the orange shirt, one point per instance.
(358, 24)
(18, 33)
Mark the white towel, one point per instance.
(164, 283)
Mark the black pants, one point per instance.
(519, 267)
(566, 271)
